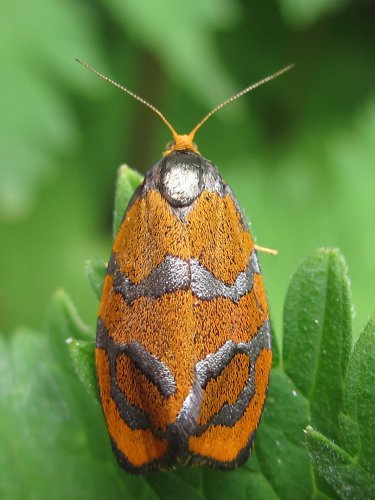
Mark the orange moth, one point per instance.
(183, 346)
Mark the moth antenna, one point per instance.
(236, 96)
(132, 94)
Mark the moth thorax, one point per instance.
(181, 178)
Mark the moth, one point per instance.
(183, 345)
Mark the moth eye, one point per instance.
(169, 145)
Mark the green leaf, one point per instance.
(317, 308)
(82, 353)
(340, 470)
(81, 350)
(127, 182)
(64, 321)
(359, 399)
(283, 460)
(95, 272)
(349, 437)
(275, 348)
(186, 481)
(317, 335)
(349, 464)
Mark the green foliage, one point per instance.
(348, 464)
(319, 295)
(82, 354)
(316, 438)
(95, 272)
(127, 182)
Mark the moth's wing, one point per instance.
(145, 351)
(232, 339)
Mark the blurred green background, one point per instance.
(299, 153)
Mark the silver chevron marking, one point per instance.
(210, 368)
(176, 274)
(206, 287)
(156, 371)
(213, 364)
(171, 275)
